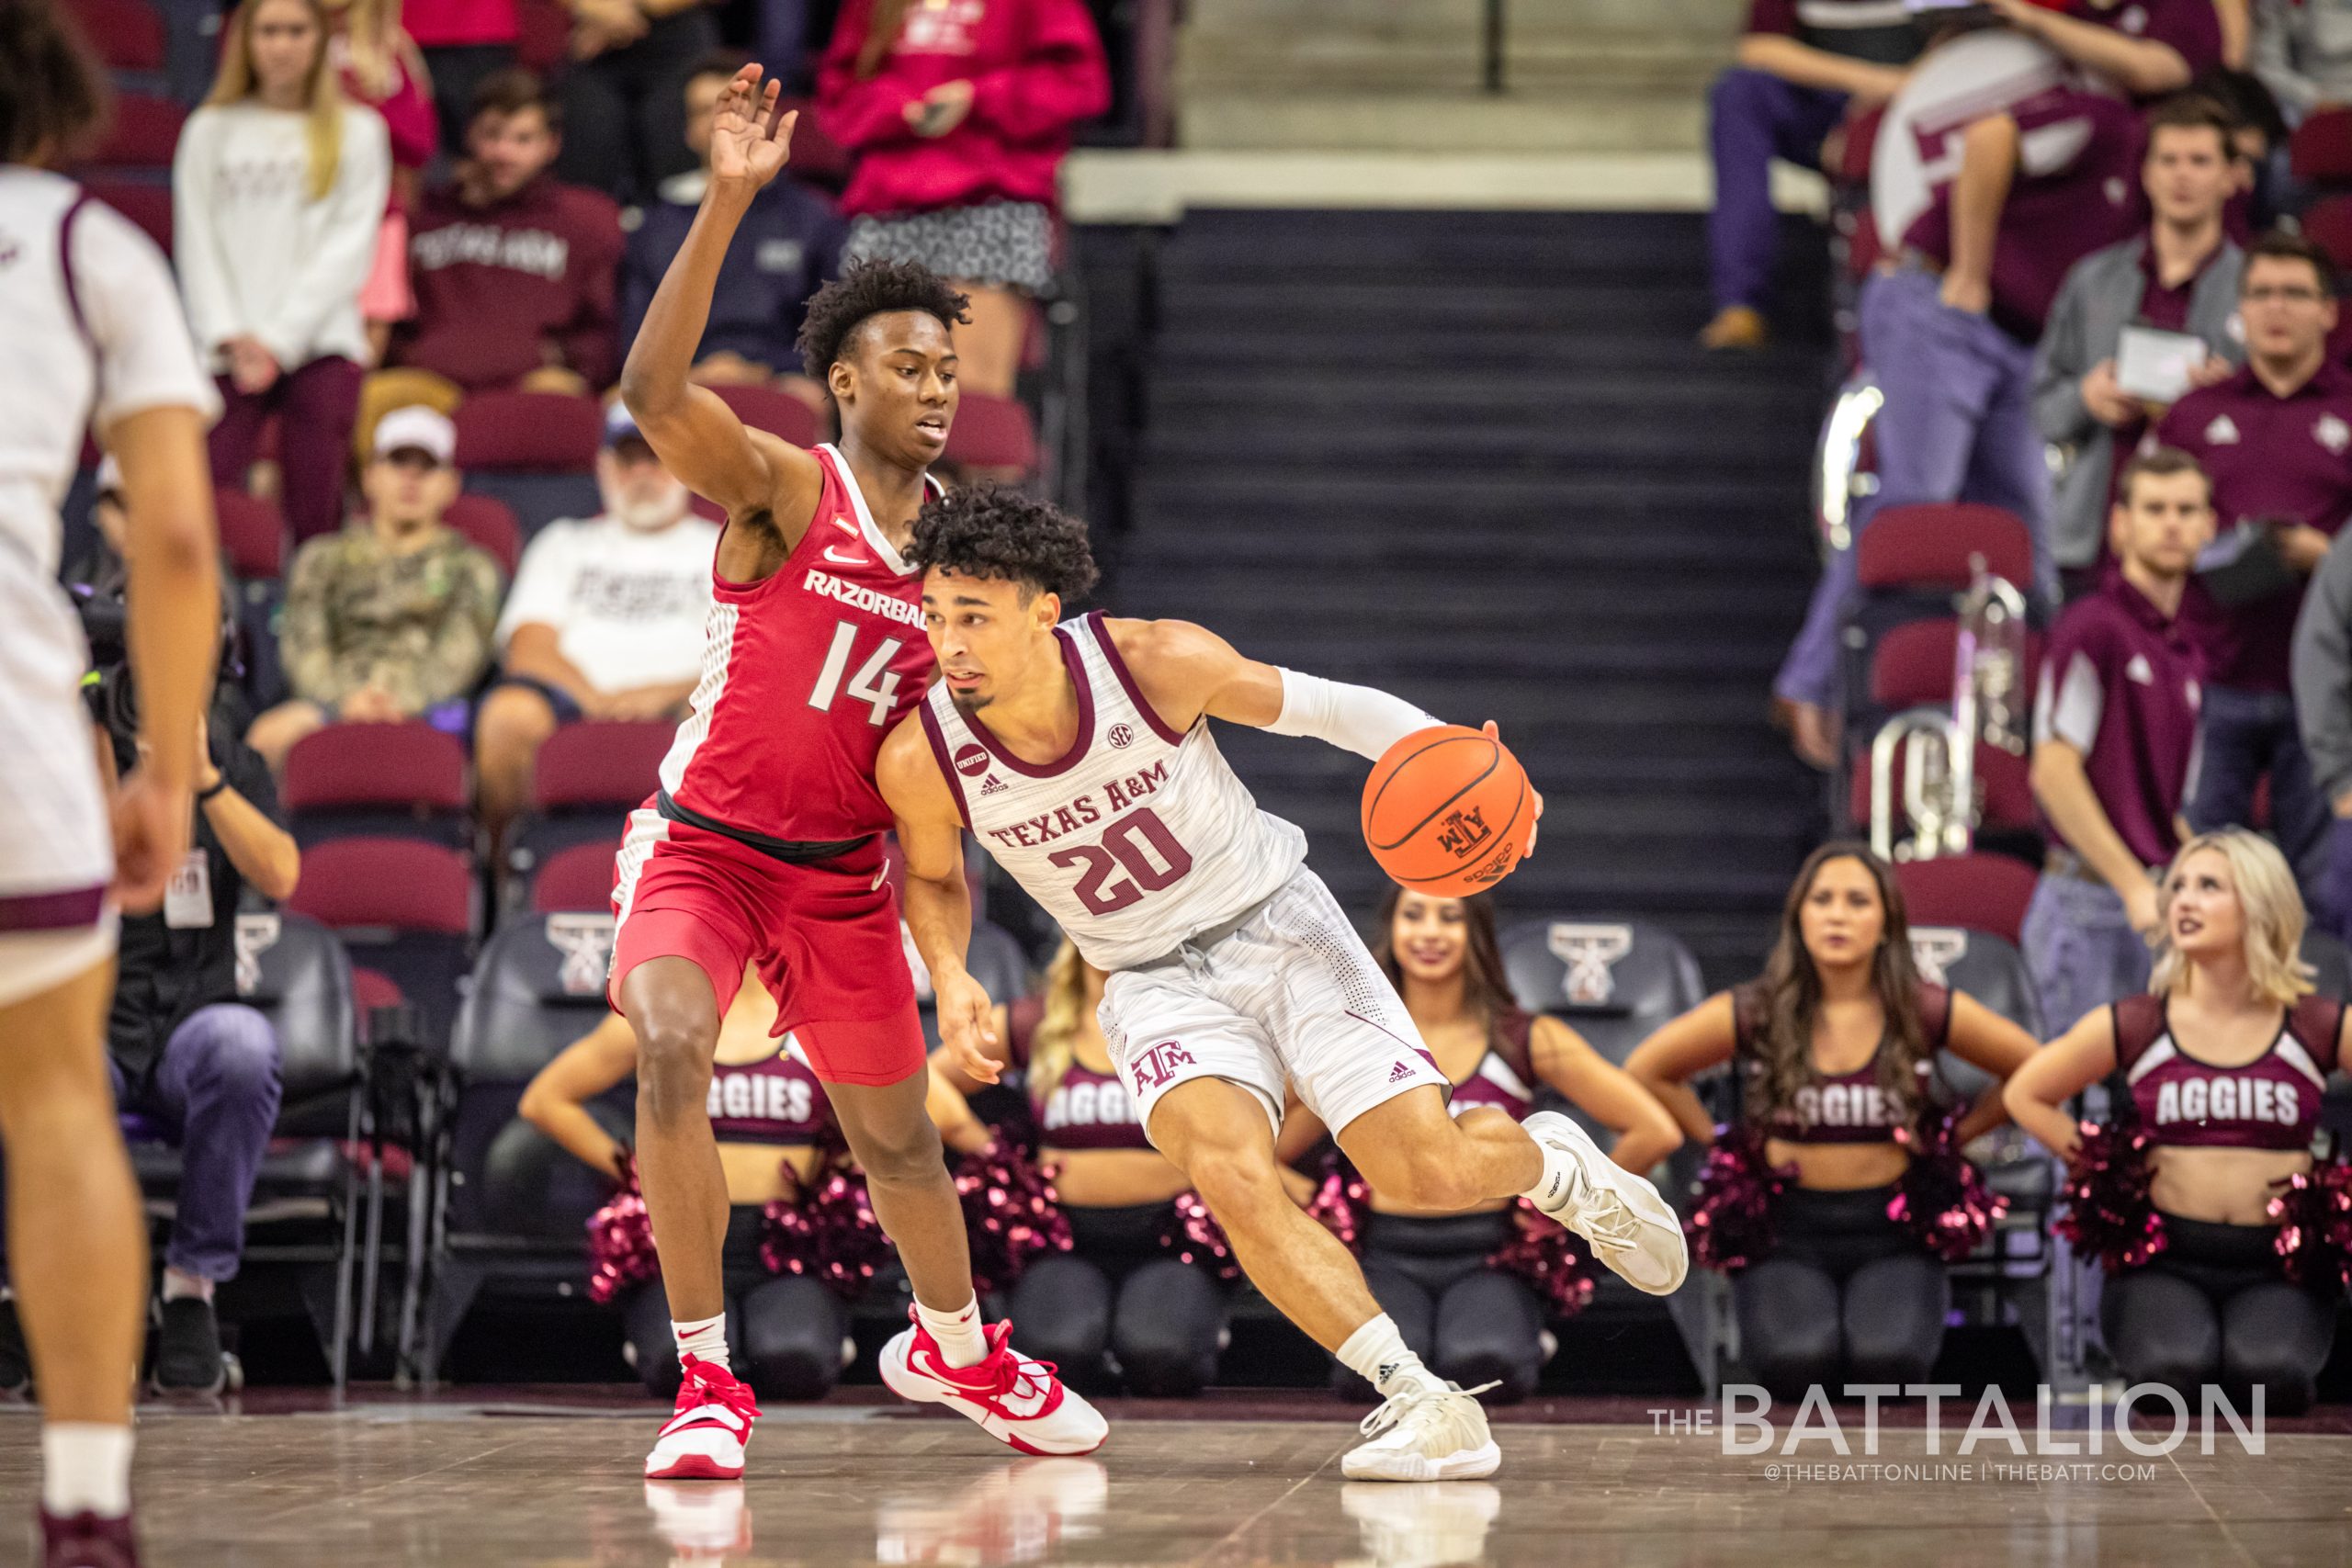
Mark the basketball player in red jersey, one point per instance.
(762, 844)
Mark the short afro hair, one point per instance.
(990, 531)
(870, 289)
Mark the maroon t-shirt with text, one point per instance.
(2269, 457)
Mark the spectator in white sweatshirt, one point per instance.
(279, 190)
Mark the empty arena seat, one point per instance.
(994, 434)
(489, 523)
(575, 880)
(406, 780)
(779, 413)
(252, 532)
(405, 909)
(1914, 664)
(513, 1208)
(2328, 225)
(1929, 547)
(145, 203)
(143, 134)
(1614, 981)
(2320, 151)
(128, 34)
(1981, 893)
(587, 778)
(305, 1209)
(534, 451)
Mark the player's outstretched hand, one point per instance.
(751, 138)
(966, 1026)
(1528, 852)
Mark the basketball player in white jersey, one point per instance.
(90, 334)
(1080, 756)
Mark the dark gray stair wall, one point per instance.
(1475, 459)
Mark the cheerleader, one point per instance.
(1835, 1048)
(2222, 1067)
(773, 1126)
(1122, 1297)
(1436, 1274)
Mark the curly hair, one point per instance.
(865, 289)
(990, 531)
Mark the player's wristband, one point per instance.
(1354, 719)
(218, 786)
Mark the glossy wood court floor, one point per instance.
(542, 1478)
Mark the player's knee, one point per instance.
(673, 1057)
(1235, 1179)
(904, 1153)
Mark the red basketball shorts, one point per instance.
(824, 939)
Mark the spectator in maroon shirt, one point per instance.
(2275, 439)
(2115, 738)
(1800, 66)
(514, 271)
(2147, 48)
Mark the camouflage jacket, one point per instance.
(418, 625)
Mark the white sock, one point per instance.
(85, 1469)
(705, 1339)
(1562, 1177)
(958, 1334)
(1376, 1353)
(177, 1285)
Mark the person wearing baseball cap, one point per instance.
(390, 618)
(605, 620)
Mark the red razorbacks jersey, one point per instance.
(803, 673)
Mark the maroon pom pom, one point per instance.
(620, 1241)
(1010, 1214)
(1942, 1197)
(1341, 1196)
(2107, 1211)
(825, 1230)
(2314, 1216)
(1541, 1253)
(1193, 1236)
(1732, 1226)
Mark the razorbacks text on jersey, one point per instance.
(803, 673)
(1135, 839)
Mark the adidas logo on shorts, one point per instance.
(1399, 1073)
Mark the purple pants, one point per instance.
(215, 1094)
(1957, 425)
(315, 405)
(1753, 118)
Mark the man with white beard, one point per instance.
(605, 620)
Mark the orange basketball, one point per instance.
(1447, 811)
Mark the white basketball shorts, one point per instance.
(1290, 997)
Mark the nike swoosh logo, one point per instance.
(832, 554)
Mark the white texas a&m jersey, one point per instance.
(1135, 841)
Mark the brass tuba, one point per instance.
(1941, 799)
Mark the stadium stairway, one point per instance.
(1474, 458)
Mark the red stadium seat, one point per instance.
(128, 34)
(1981, 893)
(254, 533)
(544, 44)
(400, 885)
(599, 763)
(2003, 778)
(144, 134)
(411, 766)
(2328, 225)
(489, 523)
(1929, 547)
(370, 990)
(574, 880)
(1858, 144)
(779, 413)
(992, 432)
(1913, 665)
(149, 206)
(545, 432)
(2321, 149)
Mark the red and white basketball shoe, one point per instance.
(1017, 1401)
(704, 1440)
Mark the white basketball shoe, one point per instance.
(1425, 1434)
(1015, 1399)
(1632, 1228)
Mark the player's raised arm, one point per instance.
(697, 435)
(1188, 672)
(938, 904)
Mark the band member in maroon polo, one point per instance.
(2115, 738)
(2275, 439)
